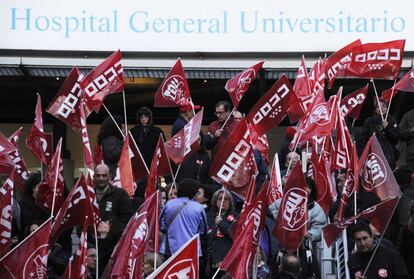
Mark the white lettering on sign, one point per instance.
(382, 54)
(270, 105)
(71, 100)
(104, 79)
(352, 103)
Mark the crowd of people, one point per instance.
(196, 204)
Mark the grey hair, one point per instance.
(215, 198)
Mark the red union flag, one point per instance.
(87, 152)
(239, 84)
(6, 203)
(65, 105)
(337, 63)
(180, 145)
(29, 259)
(317, 77)
(125, 169)
(270, 110)
(301, 86)
(106, 78)
(340, 155)
(292, 218)
(5, 145)
(36, 139)
(352, 104)
(275, 184)
(260, 143)
(173, 91)
(378, 215)
(183, 264)
(236, 164)
(377, 174)
(139, 236)
(406, 83)
(377, 60)
(21, 174)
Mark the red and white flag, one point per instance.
(174, 90)
(65, 106)
(352, 104)
(6, 164)
(272, 107)
(378, 215)
(104, 79)
(275, 184)
(36, 139)
(292, 218)
(377, 174)
(343, 146)
(183, 264)
(125, 169)
(6, 204)
(5, 145)
(260, 143)
(181, 144)
(239, 84)
(52, 186)
(140, 235)
(21, 174)
(77, 206)
(236, 163)
(406, 83)
(317, 77)
(242, 253)
(29, 259)
(160, 165)
(337, 63)
(87, 152)
(377, 60)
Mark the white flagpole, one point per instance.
(228, 118)
(389, 104)
(125, 112)
(56, 176)
(215, 274)
(97, 251)
(296, 146)
(378, 101)
(116, 124)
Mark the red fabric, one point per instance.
(98, 155)
(352, 104)
(125, 169)
(239, 84)
(337, 63)
(65, 106)
(236, 164)
(317, 77)
(343, 146)
(173, 91)
(106, 78)
(139, 168)
(378, 215)
(406, 83)
(182, 143)
(302, 93)
(377, 175)
(77, 207)
(87, 152)
(292, 218)
(272, 107)
(377, 60)
(36, 139)
(183, 264)
(29, 260)
(21, 174)
(275, 184)
(227, 130)
(5, 145)
(6, 203)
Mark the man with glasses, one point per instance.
(218, 133)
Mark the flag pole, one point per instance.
(228, 118)
(116, 124)
(97, 251)
(215, 274)
(125, 112)
(389, 104)
(376, 95)
(156, 230)
(296, 146)
(56, 177)
(379, 241)
(222, 200)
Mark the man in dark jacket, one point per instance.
(146, 134)
(115, 211)
(289, 268)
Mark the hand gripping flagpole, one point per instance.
(296, 146)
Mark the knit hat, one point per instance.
(187, 188)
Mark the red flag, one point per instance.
(87, 152)
(377, 174)
(260, 143)
(173, 91)
(352, 104)
(337, 63)
(21, 174)
(239, 84)
(275, 184)
(160, 165)
(6, 164)
(236, 164)
(180, 145)
(98, 156)
(52, 185)
(377, 60)
(6, 204)
(240, 257)
(139, 236)
(272, 107)
(139, 168)
(183, 264)
(292, 218)
(5, 145)
(351, 184)
(125, 169)
(317, 77)
(406, 83)
(343, 146)
(378, 215)
(301, 86)
(29, 259)
(106, 78)
(77, 206)
(325, 188)
(36, 139)
(65, 106)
